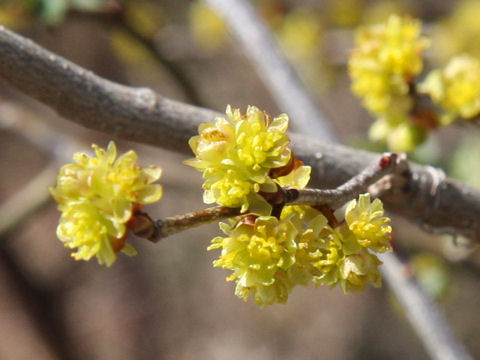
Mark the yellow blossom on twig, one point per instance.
(237, 155)
(455, 88)
(97, 197)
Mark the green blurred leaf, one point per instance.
(52, 12)
(88, 5)
(465, 162)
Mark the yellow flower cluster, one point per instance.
(271, 256)
(301, 34)
(97, 197)
(207, 28)
(456, 88)
(236, 157)
(385, 59)
(366, 222)
(259, 255)
(458, 33)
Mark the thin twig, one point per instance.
(351, 189)
(144, 226)
(139, 114)
(155, 230)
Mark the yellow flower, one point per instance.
(259, 255)
(400, 137)
(365, 220)
(358, 270)
(207, 28)
(97, 197)
(345, 263)
(329, 254)
(236, 156)
(313, 231)
(385, 58)
(269, 257)
(301, 34)
(456, 88)
(396, 45)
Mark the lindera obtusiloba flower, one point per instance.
(270, 256)
(97, 197)
(382, 66)
(364, 219)
(238, 157)
(455, 88)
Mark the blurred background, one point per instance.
(169, 302)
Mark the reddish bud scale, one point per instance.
(249, 219)
(385, 161)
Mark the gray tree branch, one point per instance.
(139, 114)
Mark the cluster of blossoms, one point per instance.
(382, 66)
(237, 156)
(301, 34)
(455, 88)
(247, 163)
(207, 28)
(269, 255)
(97, 197)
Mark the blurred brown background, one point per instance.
(169, 302)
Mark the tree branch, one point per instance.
(94, 102)
(144, 226)
(423, 314)
(426, 197)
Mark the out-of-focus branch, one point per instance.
(41, 304)
(139, 114)
(423, 313)
(116, 19)
(277, 74)
(28, 199)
